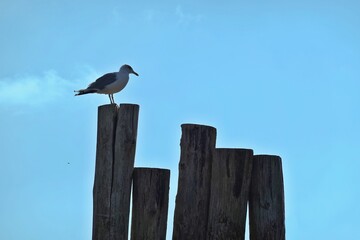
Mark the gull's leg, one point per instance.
(110, 98)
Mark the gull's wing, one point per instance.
(103, 81)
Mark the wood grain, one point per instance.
(230, 184)
(266, 202)
(107, 115)
(193, 195)
(150, 203)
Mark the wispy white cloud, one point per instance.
(187, 18)
(35, 90)
(180, 16)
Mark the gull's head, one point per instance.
(128, 69)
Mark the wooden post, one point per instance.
(150, 203)
(117, 130)
(193, 195)
(103, 171)
(124, 157)
(230, 184)
(266, 202)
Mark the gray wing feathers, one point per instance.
(103, 81)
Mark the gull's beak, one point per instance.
(135, 73)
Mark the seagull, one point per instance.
(109, 83)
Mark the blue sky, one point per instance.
(279, 77)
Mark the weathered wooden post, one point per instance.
(266, 201)
(193, 194)
(115, 153)
(230, 184)
(124, 158)
(103, 171)
(150, 203)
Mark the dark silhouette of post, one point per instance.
(266, 201)
(116, 143)
(124, 158)
(150, 203)
(230, 184)
(107, 115)
(214, 186)
(193, 194)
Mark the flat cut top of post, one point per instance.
(121, 104)
(128, 104)
(234, 149)
(148, 168)
(191, 125)
(267, 156)
(106, 106)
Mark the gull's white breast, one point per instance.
(121, 80)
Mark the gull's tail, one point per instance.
(85, 91)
